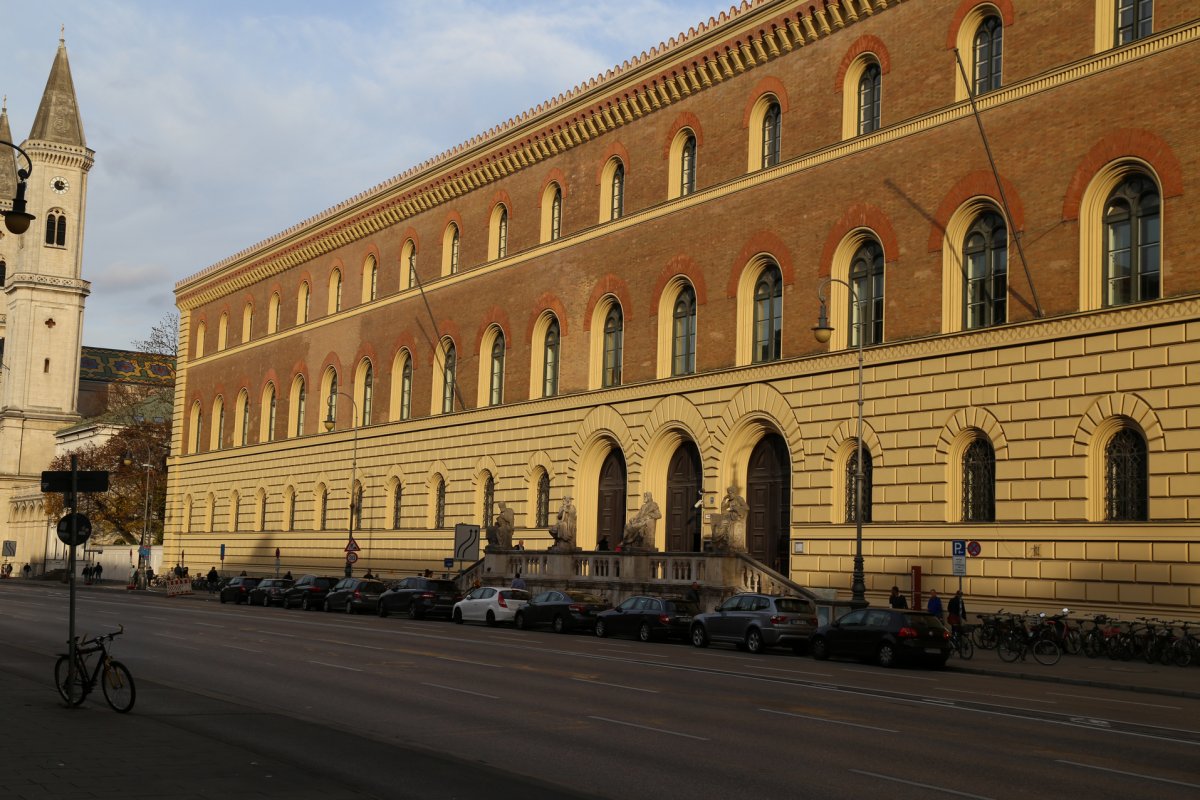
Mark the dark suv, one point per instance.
(238, 589)
(420, 597)
(354, 594)
(758, 621)
(309, 592)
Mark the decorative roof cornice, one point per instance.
(744, 38)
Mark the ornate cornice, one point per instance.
(54, 281)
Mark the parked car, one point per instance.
(648, 618)
(420, 597)
(238, 589)
(885, 635)
(269, 591)
(490, 604)
(354, 594)
(309, 592)
(758, 621)
(563, 611)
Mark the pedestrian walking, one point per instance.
(518, 582)
(935, 604)
(213, 578)
(957, 612)
(287, 575)
(897, 600)
(87, 574)
(97, 571)
(27, 571)
(692, 595)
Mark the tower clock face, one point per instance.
(59, 185)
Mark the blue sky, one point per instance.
(219, 124)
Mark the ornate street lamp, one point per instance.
(822, 331)
(329, 423)
(143, 551)
(17, 220)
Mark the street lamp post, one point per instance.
(17, 220)
(142, 550)
(822, 331)
(329, 423)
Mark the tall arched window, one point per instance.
(979, 482)
(988, 52)
(56, 229)
(870, 91)
(550, 360)
(247, 322)
(243, 418)
(451, 244)
(617, 205)
(772, 135)
(866, 276)
(331, 392)
(335, 292)
(323, 509)
(852, 484)
(406, 389)
(1132, 242)
(449, 370)
(370, 279)
(273, 314)
(408, 261)
(356, 505)
(299, 396)
(985, 262)
(556, 214)
(397, 504)
(439, 504)
(683, 333)
(262, 511)
(218, 424)
(291, 509)
(768, 315)
(489, 499)
(502, 233)
(197, 419)
(542, 514)
(687, 166)
(368, 394)
(303, 295)
(496, 380)
(614, 335)
(1125, 477)
(1134, 20)
(267, 415)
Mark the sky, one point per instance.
(219, 124)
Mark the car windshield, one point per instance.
(923, 621)
(794, 605)
(586, 598)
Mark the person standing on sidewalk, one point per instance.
(935, 604)
(97, 571)
(897, 600)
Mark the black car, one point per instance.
(648, 618)
(309, 592)
(564, 611)
(420, 597)
(269, 591)
(885, 635)
(354, 594)
(238, 589)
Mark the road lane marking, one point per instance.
(824, 719)
(467, 661)
(617, 685)
(648, 728)
(1123, 702)
(208, 625)
(921, 785)
(247, 649)
(463, 691)
(173, 636)
(1005, 696)
(891, 674)
(159, 619)
(793, 671)
(1130, 774)
(335, 666)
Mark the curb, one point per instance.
(1063, 679)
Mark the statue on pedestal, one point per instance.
(563, 530)
(500, 532)
(729, 526)
(639, 531)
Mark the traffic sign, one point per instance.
(352, 547)
(958, 547)
(973, 548)
(448, 563)
(222, 551)
(85, 481)
(351, 558)
(83, 529)
(960, 565)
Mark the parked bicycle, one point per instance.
(113, 676)
(1023, 639)
(961, 644)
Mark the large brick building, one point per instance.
(614, 293)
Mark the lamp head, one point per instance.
(822, 331)
(17, 221)
(329, 415)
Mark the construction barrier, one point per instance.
(178, 586)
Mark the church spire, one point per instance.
(8, 157)
(58, 117)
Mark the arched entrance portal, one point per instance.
(610, 501)
(768, 489)
(683, 489)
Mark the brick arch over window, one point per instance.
(609, 285)
(449, 331)
(766, 85)
(686, 119)
(411, 233)
(760, 243)
(1118, 405)
(863, 44)
(452, 216)
(979, 183)
(499, 196)
(617, 150)
(1128, 143)
(547, 302)
(966, 419)
(845, 432)
(555, 175)
(600, 423)
(861, 215)
(496, 316)
(405, 340)
(679, 265)
(1007, 16)
(365, 350)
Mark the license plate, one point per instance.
(797, 622)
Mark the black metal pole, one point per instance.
(71, 576)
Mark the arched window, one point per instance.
(197, 419)
(223, 331)
(489, 499)
(450, 243)
(496, 380)
(1125, 477)
(3, 272)
(772, 135)
(335, 292)
(617, 190)
(243, 424)
(542, 514)
(985, 262)
(367, 394)
(56, 229)
(235, 511)
(979, 482)
(556, 214)
(303, 294)
(870, 90)
(201, 332)
(449, 370)
(247, 322)
(1134, 20)
(852, 484)
(356, 505)
(262, 511)
(683, 333)
(299, 395)
(866, 276)
(266, 415)
(331, 394)
(550, 358)
(323, 509)
(498, 232)
(768, 315)
(406, 389)
(1132, 242)
(397, 498)
(988, 55)
(291, 509)
(273, 314)
(687, 166)
(408, 262)
(614, 334)
(218, 427)
(439, 504)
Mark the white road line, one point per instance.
(1005, 696)
(468, 661)
(276, 633)
(648, 728)
(920, 785)
(335, 666)
(892, 674)
(1123, 702)
(247, 649)
(1131, 774)
(172, 636)
(793, 671)
(208, 625)
(823, 719)
(463, 691)
(355, 644)
(160, 619)
(617, 686)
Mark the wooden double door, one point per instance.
(768, 493)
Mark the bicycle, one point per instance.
(1022, 639)
(961, 644)
(113, 676)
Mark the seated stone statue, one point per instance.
(639, 531)
(729, 526)
(563, 530)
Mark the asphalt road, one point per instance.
(398, 708)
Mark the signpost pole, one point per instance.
(71, 575)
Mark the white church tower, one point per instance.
(41, 313)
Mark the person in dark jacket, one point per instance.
(957, 609)
(897, 600)
(935, 604)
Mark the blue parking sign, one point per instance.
(958, 547)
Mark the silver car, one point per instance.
(758, 621)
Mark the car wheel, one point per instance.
(349, 608)
(754, 641)
(266, 600)
(519, 621)
(819, 648)
(458, 620)
(491, 619)
(327, 607)
(699, 636)
(886, 655)
(601, 629)
(560, 624)
(413, 611)
(644, 632)
(304, 604)
(222, 599)
(382, 610)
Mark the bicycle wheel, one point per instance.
(1073, 642)
(966, 648)
(72, 692)
(1047, 652)
(118, 687)
(1010, 647)
(986, 637)
(1181, 653)
(1093, 643)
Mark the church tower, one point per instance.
(41, 313)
